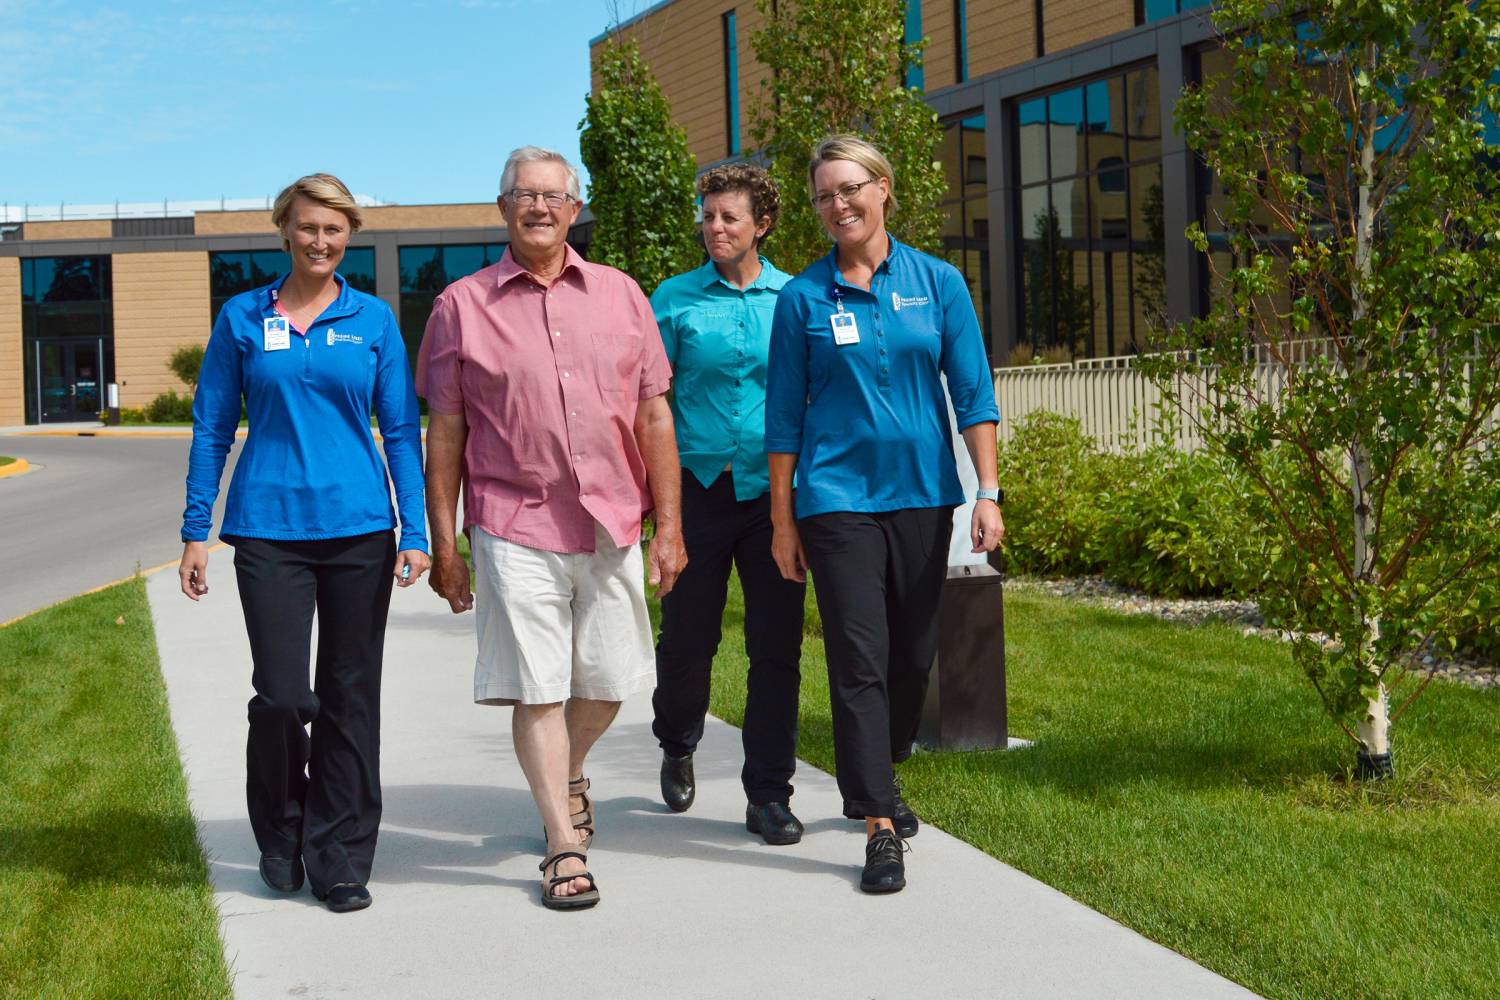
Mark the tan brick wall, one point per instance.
(939, 58)
(161, 303)
(476, 215)
(1074, 22)
(1002, 33)
(82, 229)
(12, 388)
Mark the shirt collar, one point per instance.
(709, 275)
(893, 259)
(573, 263)
(343, 304)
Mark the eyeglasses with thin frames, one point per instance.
(848, 192)
(525, 197)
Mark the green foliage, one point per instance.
(168, 408)
(185, 363)
(640, 172)
(837, 66)
(1359, 212)
(1163, 521)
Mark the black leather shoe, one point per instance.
(346, 897)
(885, 868)
(904, 819)
(774, 822)
(677, 789)
(281, 874)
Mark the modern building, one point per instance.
(1064, 171)
(93, 301)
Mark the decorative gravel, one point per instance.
(1470, 670)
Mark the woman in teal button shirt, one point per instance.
(716, 324)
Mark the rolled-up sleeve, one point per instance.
(440, 361)
(401, 433)
(216, 415)
(786, 376)
(963, 360)
(661, 308)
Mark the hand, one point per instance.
(786, 549)
(415, 562)
(987, 527)
(450, 579)
(667, 558)
(192, 572)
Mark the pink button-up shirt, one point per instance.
(548, 381)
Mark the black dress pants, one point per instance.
(319, 796)
(719, 530)
(879, 581)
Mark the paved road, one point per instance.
(91, 511)
(693, 906)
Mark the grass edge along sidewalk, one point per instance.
(1186, 783)
(103, 885)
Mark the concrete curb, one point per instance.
(17, 468)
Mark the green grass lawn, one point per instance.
(103, 889)
(1185, 782)
(6, 460)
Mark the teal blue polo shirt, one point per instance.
(717, 337)
(863, 407)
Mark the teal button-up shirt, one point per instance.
(717, 337)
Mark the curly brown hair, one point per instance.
(754, 182)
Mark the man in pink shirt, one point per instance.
(545, 380)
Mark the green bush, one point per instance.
(186, 362)
(1058, 488)
(169, 408)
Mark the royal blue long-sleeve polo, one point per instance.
(862, 406)
(717, 337)
(310, 468)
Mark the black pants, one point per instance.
(717, 530)
(318, 797)
(879, 581)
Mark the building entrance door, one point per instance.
(68, 374)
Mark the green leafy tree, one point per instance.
(185, 363)
(837, 66)
(640, 172)
(1351, 363)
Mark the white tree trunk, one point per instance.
(1375, 729)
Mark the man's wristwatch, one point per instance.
(997, 495)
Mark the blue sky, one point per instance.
(411, 102)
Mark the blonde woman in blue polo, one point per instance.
(860, 345)
(716, 325)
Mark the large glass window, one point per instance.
(1090, 203)
(67, 333)
(1154, 10)
(426, 271)
(966, 208)
(731, 85)
(233, 272)
(913, 35)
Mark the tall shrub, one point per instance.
(640, 172)
(1361, 210)
(837, 66)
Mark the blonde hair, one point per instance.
(325, 189)
(855, 150)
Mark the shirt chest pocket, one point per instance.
(617, 361)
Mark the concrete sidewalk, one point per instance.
(693, 906)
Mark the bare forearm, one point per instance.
(446, 435)
(782, 468)
(657, 439)
(980, 440)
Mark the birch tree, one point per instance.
(1348, 363)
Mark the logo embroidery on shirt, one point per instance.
(899, 302)
(344, 338)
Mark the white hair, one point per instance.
(536, 154)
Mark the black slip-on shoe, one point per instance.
(346, 897)
(885, 868)
(677, 789)
(281, 874)
(904, 819)
(774, 822)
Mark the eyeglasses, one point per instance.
(525, 198)
(848, 192)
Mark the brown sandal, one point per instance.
(577, 901)
(583, 819)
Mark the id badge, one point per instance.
(845, 330)
(278, 334)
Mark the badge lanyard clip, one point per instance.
(838, 297)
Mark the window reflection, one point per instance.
(1079, 203)
(966, 207)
